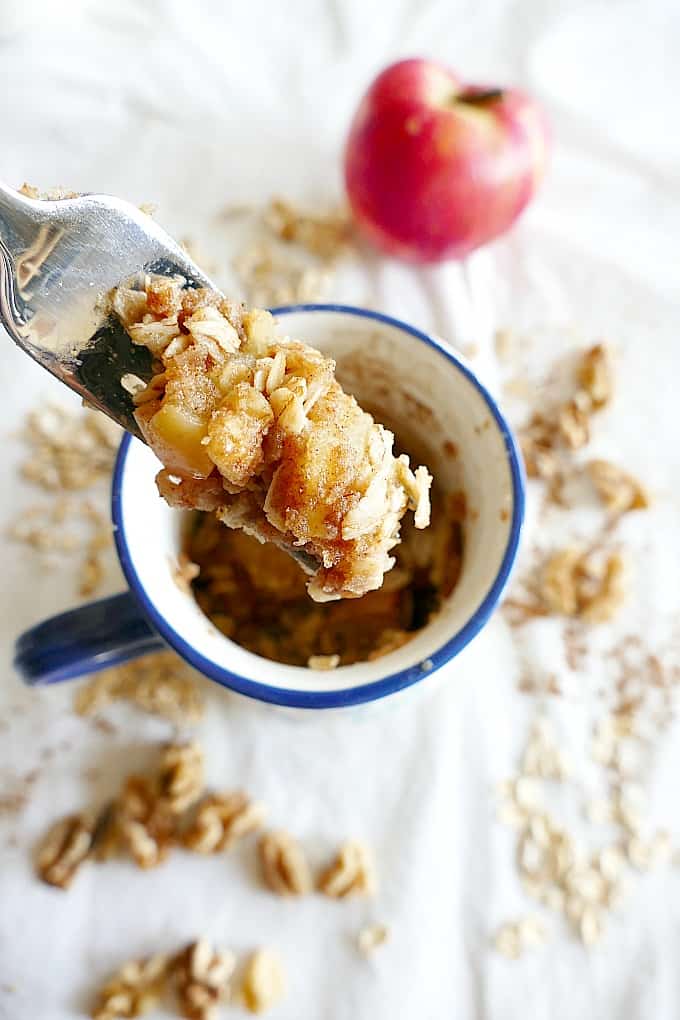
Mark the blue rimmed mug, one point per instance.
(442, 414)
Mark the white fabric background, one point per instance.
(193, 105)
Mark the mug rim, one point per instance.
(396, 681)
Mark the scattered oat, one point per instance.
(371, 937)
(65, 847)
(595, 374)
(161, 684)
(185, 572)
(181, 775)
(221, 820)
(68, 453)
(326, 235)
(68, 450)
(351, 873)
(575, 583)
(284, 865)
(291, 254)
(512, 939)
(264, 981)
(573, 423)
(323, 661)
(507, 942)
(145, 821)
(618, 490)
(134, 990)
(590, 926)
(552, 433)
(201, 976)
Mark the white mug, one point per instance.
(443, 415)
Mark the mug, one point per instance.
(442, 415)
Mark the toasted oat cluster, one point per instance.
(257, 429)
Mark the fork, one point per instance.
(58, 261)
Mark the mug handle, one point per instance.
(85, 640)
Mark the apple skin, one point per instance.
(435, 168)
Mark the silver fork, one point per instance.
(58, 260)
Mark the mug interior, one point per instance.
(443, 417)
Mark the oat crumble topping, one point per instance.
(259, 431)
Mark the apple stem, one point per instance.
(481, 98)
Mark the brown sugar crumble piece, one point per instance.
(351, 873)
(284, 865)
(257, 429)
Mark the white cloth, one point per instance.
(194, 105)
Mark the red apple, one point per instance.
(435, 168)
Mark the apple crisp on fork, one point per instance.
(256, 428)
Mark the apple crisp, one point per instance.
(256, 429)
(255, 594)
